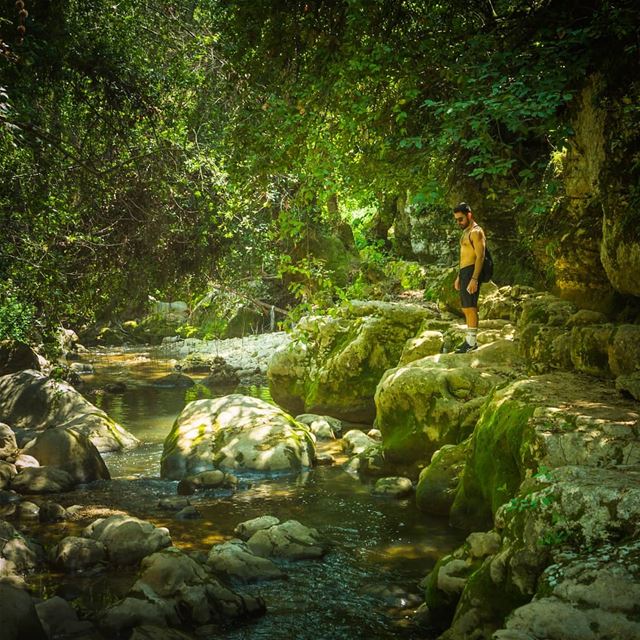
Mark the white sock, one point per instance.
(472, 336)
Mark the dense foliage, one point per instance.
(149, 147)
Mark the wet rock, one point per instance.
(235, 432)
(60, 620)
(30, 401)
(290, 540)
(82, 368)
(70, 451)
(234, 560)
(206, 480)
(24, 554)
(325, 460)
(77, 554)
(246, 529)
(393, 487)
(438, 482)
(18, 617)
(8, 444)
(127, 539)
(174, 590)
(52, 512)
(7, 473)
(178, 380)
(173, 504)
(221, 374)
(24, 461)
(115, 387)
(375, 434)
(323, 427)
(28, 511)
(356, 442)
(42, 480)
(188, 513)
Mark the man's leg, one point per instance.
(471, 316)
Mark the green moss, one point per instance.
(495, 601)
(442, 605)
(496, 465)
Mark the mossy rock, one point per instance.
(438, 483)
(590, 349)
(551, 420)
(235, 432)
(333, 364)
(436, 400)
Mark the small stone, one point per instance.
(52, 512)
(28, 510)
(325, 459)
(395, 487)
(188, 513)
(246, 529)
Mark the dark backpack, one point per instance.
(487, 266)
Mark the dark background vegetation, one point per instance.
(157, 147)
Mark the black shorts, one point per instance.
(468, 299)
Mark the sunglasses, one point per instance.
(459, 219)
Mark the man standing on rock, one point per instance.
(472, 249)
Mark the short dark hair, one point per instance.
(462, 207)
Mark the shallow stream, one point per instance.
(366, 586)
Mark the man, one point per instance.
(472, 248)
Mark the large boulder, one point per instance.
(551, 420)
(436, 400)
(333, 363)
(31, 402)
(70, 451)
(127, 539)
(235, 432)
(18, 617)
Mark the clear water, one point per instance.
(366, 586)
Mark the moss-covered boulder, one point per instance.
(438, 482)
(436, 400)
(551, 420)
(31, 402)
(551, 530)
(235, 432)
(334, 363)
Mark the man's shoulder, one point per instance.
(477, 231)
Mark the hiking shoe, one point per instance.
(464, 347)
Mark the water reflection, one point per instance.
(366, 587)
